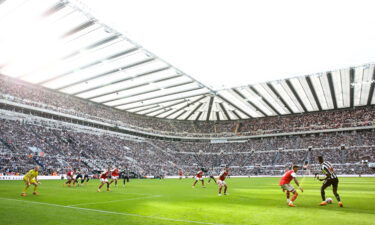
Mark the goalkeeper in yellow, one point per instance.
(31, 178)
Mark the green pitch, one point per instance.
(171, 201)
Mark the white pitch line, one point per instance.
(119, 200)
(115, 213)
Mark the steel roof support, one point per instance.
(371, 92)
(182, 113)
(159, 96)
(290, 85)
(145, 109)
(166, 110)
(235, 113)
(209, 108)
(192, 112)
(235, 106)
(352, 74)
(133, 87)
(89, 65)
(154, 103)
(183, 107)
(164, 107)
(279, 97)
(199, 115)
(78, 28)
(265, 100)
(120, 80)
(252, 104)
(96, 44)
(108, 73)
(54, 9)
(224, 111)
(309, 82)
(332, 89)
(217, 116)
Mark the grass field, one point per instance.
(171, 201)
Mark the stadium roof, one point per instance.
(58, 45)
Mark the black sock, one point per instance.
(323, 194)
(337, 197)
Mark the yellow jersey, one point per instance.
(31, 174)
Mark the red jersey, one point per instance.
(70, 174)
(104, 175)
(115, 173)
(199, 174)
(180, 173)
(223, 175)
(287, 177)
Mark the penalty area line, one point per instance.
(111, 212)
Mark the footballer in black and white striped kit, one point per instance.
(330, 179)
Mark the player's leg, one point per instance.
(287, 196)
(27, 185)
(100, 186)
(289, 189)
(67, 182)
(195, 182)
(116, 182)
(225, 188)
(326, 184)
(35, 188)
(220, 187)
(294, 197)
(203, 183)
(334, 189)
(209, 180)
(214, 179)
(108, 184)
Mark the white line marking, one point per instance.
(119, 200)
(111, 212)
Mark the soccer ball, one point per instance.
(329, 200)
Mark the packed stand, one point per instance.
(59, 147)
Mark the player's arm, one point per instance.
(297, 183)
(326, 173)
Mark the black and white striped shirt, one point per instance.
(327, 169)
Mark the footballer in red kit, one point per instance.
(199, 176)
(221, 181)
(70, 177)
(180, 174)
(115, 176)
(287, 187)
(104, 179)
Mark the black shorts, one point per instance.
(334, 182)
(79, 176)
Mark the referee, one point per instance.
(330, 179)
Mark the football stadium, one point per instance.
(187, 112)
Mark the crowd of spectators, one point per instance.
(20, 92)
(57, 148)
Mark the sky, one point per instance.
(233, 43)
